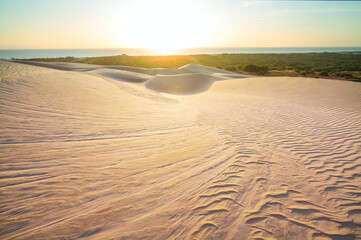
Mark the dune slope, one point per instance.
(92, 152)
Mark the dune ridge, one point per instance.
(189, 79)
(96, 153)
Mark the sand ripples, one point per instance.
(84, 155)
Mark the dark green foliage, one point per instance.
(250, 68)
(324, 73)
(345, 75)
(261, 70)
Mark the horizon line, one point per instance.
(114, 48)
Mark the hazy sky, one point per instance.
(178, 23)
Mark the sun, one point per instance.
(165, 26)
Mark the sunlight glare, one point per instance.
(165, 26)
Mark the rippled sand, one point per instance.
(103, 153)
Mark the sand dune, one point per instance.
(98, 152)
(122, 75)
(180, 84)
(189, 79)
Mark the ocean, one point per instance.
(79, 53)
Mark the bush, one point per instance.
(263, 69)
(345, 75)
(323, 73)
(257, 69)
(250, 68)
(231, 69)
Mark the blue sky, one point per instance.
(219, 23)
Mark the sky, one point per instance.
(173, 24)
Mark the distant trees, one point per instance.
(261, 70)
(345, 75)
(58, 59)
(250, 68)
(324, 73)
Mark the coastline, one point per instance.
(79, 53)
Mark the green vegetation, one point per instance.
(231, 69)
(250, 68)
(261, 70)
(337, 65)
(324, 73)
(345, 75)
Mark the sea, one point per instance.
(81, 53)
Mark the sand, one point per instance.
(95, 152)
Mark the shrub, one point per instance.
(250, 68)
(346, 75)
(263, 69)
(323, 73)
(231, 69)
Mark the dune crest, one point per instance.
(189, 79)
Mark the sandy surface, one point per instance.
(107, 153)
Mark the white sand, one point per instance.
(99, 153)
